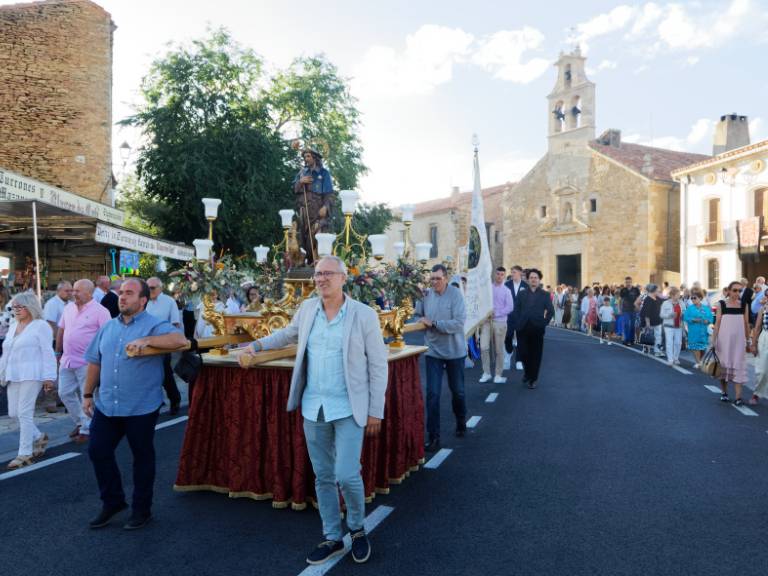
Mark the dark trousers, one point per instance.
(530, 344)
(628, 326)
(188, 318)
(454, 369)
(169, 382)
(106, 434)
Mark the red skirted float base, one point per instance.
(241, 441)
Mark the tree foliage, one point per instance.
(215, 125)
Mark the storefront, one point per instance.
(70, 236)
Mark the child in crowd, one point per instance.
(607, 317)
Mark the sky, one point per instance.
(428, 75)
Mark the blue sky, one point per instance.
(430, 74)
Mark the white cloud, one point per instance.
(700, 131)
(426, 62)
(602, 24)
(502, 54)
(607, 65)
(692, 60)
(654, 28)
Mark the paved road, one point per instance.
(615, 465)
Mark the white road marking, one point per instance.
(38, 465)
(492, 397)
(168, 423)
(370, 523)
(472, 422)
(713, 389)
(744, 410)
(438, 458)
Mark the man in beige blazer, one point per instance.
(339, 379)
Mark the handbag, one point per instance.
(710, 364)
(188, 366)
(647, 337)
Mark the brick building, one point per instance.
(594, 209)
(56, 94)
(444, 222)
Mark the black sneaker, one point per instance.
(461, 430)
(723, 397)
(433, 445)
(137, 521)
(361, 547)
(738, 402)
(325, 551)
(105, 516)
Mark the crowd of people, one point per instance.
(666, 319)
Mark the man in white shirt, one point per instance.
(55, 306)
(52, 312)
(164, 307)
(102, 287)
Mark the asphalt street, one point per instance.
(615, 465)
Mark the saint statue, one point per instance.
(313, 189)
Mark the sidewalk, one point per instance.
(57, 425)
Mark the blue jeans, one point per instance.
(335, 449)
(454, 369)
(628, 325)
(106, 433)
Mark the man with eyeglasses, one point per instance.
(164, 307)
(442, 312)
(339, 380)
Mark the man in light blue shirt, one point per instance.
(757, 298)
(340, 380)
(129, 397)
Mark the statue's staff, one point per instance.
(309, 224)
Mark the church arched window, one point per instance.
(559, 116)
(574, 113)
(567, 76)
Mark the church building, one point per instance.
(594, 209)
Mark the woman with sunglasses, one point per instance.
(730, 338)
(28, 364)
(697, 317)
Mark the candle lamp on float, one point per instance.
(407, 211)
(349, 238)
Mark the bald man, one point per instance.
(79, 323)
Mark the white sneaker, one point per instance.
(519, 365)
(499, 380)
(696, 366)
(485, 377)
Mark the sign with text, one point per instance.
(140, 243)
(16, 187)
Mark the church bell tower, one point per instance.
(571, 104)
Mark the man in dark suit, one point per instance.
(110, 299)
(533, 312)
(516, 284)
(746, 297)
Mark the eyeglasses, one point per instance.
(154, 287)
(18, 307)
(436, 278)
(694, 297)
(324, 274)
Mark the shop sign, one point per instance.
(140, 243)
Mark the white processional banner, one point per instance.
(479, 292)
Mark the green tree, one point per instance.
(372, 218)
(216, 126)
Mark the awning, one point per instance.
(57, 224)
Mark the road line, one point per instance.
(492, 397)
(370, 523)
(744, 410)
(438, 458)
(713, 389)
(38, 465)
(173, 422)
(472, 422)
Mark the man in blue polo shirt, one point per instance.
(130, 393)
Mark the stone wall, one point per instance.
(56, 93)
(635, 230)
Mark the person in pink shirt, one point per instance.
(78, 325)
(495, 330)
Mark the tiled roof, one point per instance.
(654, 163)
(455, 200)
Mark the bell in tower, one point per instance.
(571, 103)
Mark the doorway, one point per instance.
(569, 270)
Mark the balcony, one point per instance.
(713, 233)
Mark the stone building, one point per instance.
(56, 94)
(444, 222)
(724, 209)
(594, 210)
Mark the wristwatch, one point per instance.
(87, 395)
